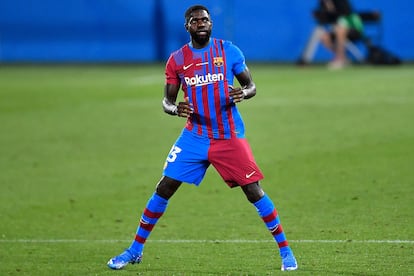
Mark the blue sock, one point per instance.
(270, 217)
(153, 211)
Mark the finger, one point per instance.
(235, 91)
(184, 111)
(187, 103)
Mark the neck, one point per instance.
(196, 45)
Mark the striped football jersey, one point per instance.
(205, 76)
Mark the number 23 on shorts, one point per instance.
(173, 153)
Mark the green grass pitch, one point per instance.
(82, 147)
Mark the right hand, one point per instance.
(185, 109)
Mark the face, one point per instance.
(199, 26)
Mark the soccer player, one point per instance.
(214, 133)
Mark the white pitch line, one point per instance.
(200, 241)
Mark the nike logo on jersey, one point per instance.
(250, 174)
(185, 67)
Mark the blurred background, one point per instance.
(142, 31)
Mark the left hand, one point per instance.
(236, 94)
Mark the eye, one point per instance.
(194, 21)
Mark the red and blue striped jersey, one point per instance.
(205, 75)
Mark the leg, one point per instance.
(336, 43)
(270, 217)
(340, 61)
(341, 36)
(167, 186)
(154, 209)
(253, 192)
(326, 40)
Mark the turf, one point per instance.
(82, 147)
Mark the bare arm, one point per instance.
(248, 87)
(183, 109)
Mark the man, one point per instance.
(214, 132)
(347, 25)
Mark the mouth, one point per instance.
(202, 32)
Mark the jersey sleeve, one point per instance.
(239, 62)
(171, 76)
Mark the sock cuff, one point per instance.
(160, 199)
(264, 206)
(264, 201)
(157, 203)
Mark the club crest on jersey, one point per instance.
(218, 61)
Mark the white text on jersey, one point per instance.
(198, 80)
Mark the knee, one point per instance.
(166, 187)
(326, 39)
(341, 31)
(253, 192)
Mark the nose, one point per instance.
(200, 22)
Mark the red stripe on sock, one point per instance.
(275, 231)
(283, 244)
(278, 230)
(146, 226)
(270, 217)
(150, 214)
(140, 239)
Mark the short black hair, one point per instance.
(191, 9)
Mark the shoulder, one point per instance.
(227, 44)
(229, 47)
(178, 56)
(179, 52)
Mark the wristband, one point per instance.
(169, 108)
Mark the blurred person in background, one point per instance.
(214, 134)
(347, 25)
